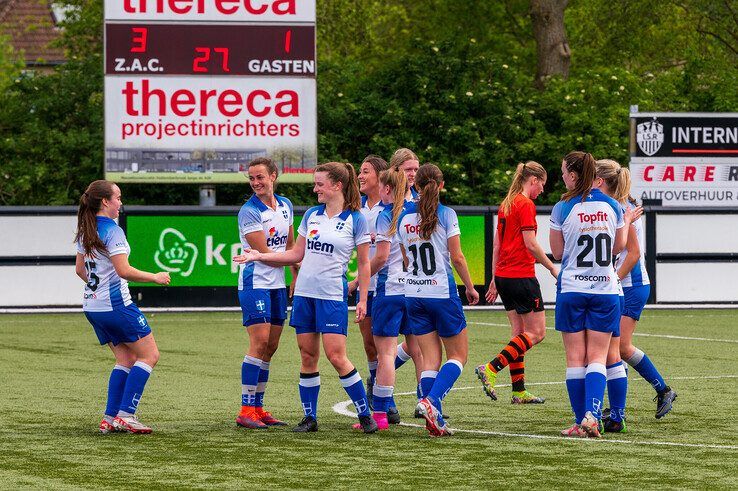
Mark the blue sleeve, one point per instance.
(249, 220)
(556, 218)
(302, 229)
(115, 241)
(360, 228)
(449, 221)
(619, 215)
(384, 220)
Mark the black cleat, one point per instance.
(664, 400)
(307, 425)
(610, 426)
(367, 424)
(393, 416)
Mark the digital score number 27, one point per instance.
(203, 55)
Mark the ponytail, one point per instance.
(617, 179)
(346, 175)
(428, 179)
(522, 172)
(395, 179)
(89, 205)
(583, 164)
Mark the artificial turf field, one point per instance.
(53, 379)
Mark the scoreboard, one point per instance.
(194, 89)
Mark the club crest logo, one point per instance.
(285, 214)
(650, 136)
(340, 225)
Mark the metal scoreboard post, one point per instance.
(685, 159)
(194, 89)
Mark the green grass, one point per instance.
(53, 378)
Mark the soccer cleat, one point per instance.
(488, 379)
(434, 422)
(130, 424)
(368, 424)
(393, 416)
(107, 427)
(419, 415)
(525, 397)
(664, 401)
(382, 420)
(370, 393)
(267, 418)
(591, 425)
(574, 431)
(611, 426)
(250, 419)
(307, 425)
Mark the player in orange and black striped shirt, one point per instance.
(515, 252)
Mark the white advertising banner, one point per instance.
(287, 11)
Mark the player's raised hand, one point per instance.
(248, 255)
(633, 214)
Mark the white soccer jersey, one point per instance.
(255, 216)
(391, 278)
(329, 243)
(638, 276)
(105, 290)
(429, 273)
(371, 215)
(589, 234)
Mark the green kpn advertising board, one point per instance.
(197, 250)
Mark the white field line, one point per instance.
(643, 334)
(342, 409)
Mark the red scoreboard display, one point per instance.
(194, 89)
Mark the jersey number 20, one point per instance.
(601, 243)
(427, 258)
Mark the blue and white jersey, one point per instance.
(638, 276)
(329, 243)
(391, 278)
(371, 214)
(255, 216)
(429, 273)
(589, 229)
(105, 290)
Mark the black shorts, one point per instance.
(523, 295)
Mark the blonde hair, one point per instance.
(395, 179)
(428, 179)
(617, 179)
(346, 175)
(523, 171)
(402, 155)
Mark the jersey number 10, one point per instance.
(427, 258)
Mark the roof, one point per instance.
(30, 24)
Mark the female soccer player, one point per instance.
(102, 263)
(514, 254)
(265, 225)
(587, 228)
(371, 207)
(631, 270)
(429, 233)
(326, 238)
(389, 311)
(406, 160)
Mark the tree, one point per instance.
(552, 47)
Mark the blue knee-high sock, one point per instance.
(135, 383)
(427, 378)
(401, 357)
(262, 383)
(447, 376)
(354, 387)
(116, 385)
(646, 369)
(575, 388)
(382, 397)
(249, 378)
(594, 388)
(309, 388)
(419, 392)
(617, 390)
(372, 370)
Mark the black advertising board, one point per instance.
(684, 135)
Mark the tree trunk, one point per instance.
(552, 46)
